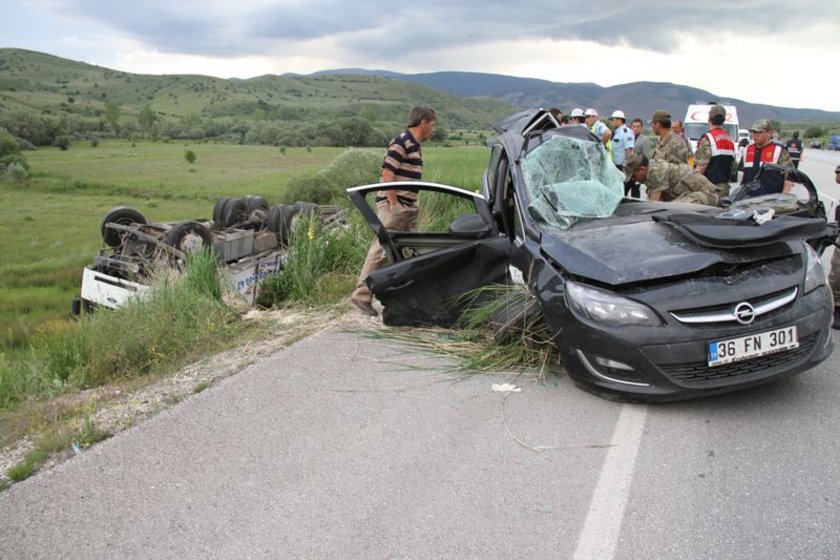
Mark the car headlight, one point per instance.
(605, 307)
(814, 273)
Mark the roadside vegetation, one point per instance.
(181, 320)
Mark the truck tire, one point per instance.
(122, 215)
(256, 203)
(273, 223)
(189, 237)
(219, 213)
(236, 212)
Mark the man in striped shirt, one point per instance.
(396, 208)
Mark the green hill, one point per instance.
(44, 96)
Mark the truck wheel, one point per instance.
(124, 216)
(219, 212)
(288, 212)
(273, 220)
(189, 237)
(256, 203)
(236, 212)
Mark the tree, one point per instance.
(112, 113)
(147, 119)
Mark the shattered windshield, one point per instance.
(568, 179)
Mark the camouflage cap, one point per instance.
(761, 125)
(660, 116)
(837, 169)
(631, 164)
(717, 111)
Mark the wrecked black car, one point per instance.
(648, 300)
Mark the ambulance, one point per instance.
(697, 122)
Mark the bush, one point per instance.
(15, 172)
(8, 143)
(16, 159)
(352, 168)
(321, 264)
(62, 142)
(190, 156)
(813, 132)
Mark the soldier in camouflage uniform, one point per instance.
(834, 275)
(670, 148)
(671, 182)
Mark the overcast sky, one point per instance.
(780, 53)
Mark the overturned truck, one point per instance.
(248, 237)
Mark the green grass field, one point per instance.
(50, 224)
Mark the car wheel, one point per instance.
(124, 216)
(219, 212)
(236, 212)
(517, 313)
(189, 237)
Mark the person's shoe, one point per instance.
(836, 325)
(365, 307)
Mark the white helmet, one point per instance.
(576, 112)
(591, 113)
(618, 115)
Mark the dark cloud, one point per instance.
(392, 31)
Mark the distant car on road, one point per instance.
(816, 144)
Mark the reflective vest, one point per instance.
(594, 130)
(771, 181)
(719, 169)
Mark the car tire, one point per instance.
(122, 215)
(518, 311)
(189, 237)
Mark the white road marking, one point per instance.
(601, 529)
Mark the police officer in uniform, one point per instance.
(762, 151)
(715, 155)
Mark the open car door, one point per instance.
(456, 248)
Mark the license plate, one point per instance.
(751, 346)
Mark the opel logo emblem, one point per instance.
(744, 313)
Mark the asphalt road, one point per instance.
(340, 447)
(343, 446)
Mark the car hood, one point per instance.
(625, 253)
